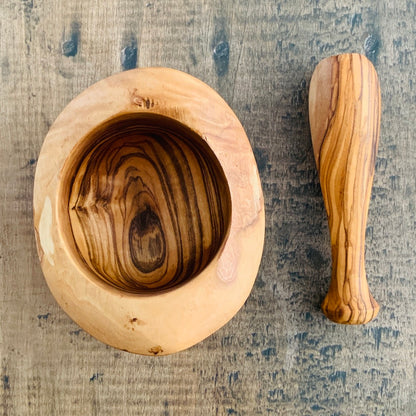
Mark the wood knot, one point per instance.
(139, 204)
(139, 101)
(156, 350)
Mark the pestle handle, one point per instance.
(344, 113)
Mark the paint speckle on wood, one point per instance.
(97, 377)
(128, 56)
(371, 46)
(6, 382)
(70, 46)
(44, 316)
(221, 46)
(221, 55)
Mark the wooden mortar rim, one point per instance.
(158, 323)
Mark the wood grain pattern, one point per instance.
(344, 111)
(156, 189)
(148, 205)
(279, 355)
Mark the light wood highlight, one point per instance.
(344, 111)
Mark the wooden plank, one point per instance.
(279, 355)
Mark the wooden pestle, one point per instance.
(344, 113)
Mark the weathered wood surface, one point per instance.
(279, 355)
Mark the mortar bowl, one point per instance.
(148, 211)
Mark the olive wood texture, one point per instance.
(148, 211)
(149, 206)
(344, 112)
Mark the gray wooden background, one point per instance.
(279, 355)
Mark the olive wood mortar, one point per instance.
(148, 211)
(344, 111)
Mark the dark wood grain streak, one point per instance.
(147, 206)
(345, 152)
